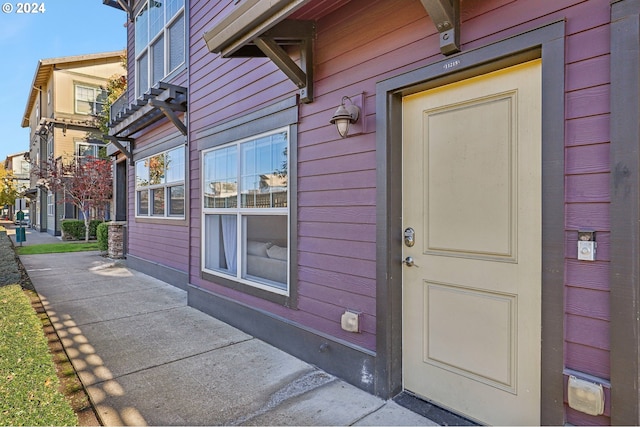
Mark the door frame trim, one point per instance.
(625, 213)
(546, 42)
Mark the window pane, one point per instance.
(157, 197)
(85, 97)
(264, 172)
(220, 178)
(175, 165)
(266, 250)
(143, 73)
(172, 7)
(221, 243)
(142, 174)
(156, 18)
(157, 55)
(156, 169)
(143, 202)
(176, 43)
(84, 150)
(101, 98)
(176, 200)
(88, 150)
(142, 30)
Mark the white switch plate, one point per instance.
(350, 321)
(586, 251)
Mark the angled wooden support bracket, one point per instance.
(169, 111)
(126, 7)
(279, 57)
(122, 5)
(116, 141)
(288, 33)
(445, 15)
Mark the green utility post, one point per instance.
(21, 236)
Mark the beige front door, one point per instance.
(472, 285)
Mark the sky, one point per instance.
(60, 28)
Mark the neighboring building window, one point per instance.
(85, 150)
(25, 167)
(160, 41)
(51, 204)
(89, 100)
(246, 211)
(160, 185)
(50, 147)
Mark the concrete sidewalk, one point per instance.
(146, 358)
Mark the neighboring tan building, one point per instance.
(66, 95)
(19, 167)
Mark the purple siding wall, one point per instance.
(146, 236)
(368, 41)
(336, 179)
(587, 193)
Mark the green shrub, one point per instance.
(73, 229)
(102, 234)
(93, 225)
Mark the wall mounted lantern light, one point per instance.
(344, 116)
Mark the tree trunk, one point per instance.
(86, 226)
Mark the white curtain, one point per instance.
(230, 241)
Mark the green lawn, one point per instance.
(28, 382)
(50, 248)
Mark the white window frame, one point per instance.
(141, 51)
(94, 101)
(50, 147)
(164, 185)
(95, 146)
(241, 213)
(51, 203)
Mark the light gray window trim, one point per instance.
(168, 143)
(275, 116)
(280, 114)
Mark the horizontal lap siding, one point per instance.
(365, 42)
(336, 177)
(163, 244)
(221, 89)
(587, 193)
(158, 242)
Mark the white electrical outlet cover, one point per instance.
(585, 396)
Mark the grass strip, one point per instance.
(51, 248)
(28, 382)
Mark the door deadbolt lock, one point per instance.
(409, 237)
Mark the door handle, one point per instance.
(408, 261)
